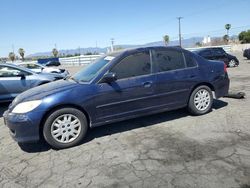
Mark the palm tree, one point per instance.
(55, 52)
(12, 56)
(226, 39)
(227, 27)
(166, 39)
(21, 53)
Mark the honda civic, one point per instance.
(118, 86)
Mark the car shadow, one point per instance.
(3, 108)
(145, 121)
(247, 60)
(217, 104)
(120, 127)
(37, 147)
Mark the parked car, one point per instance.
(218, 54)
(246, 53)
(40, 68)
(15, 80)
(53, 63)
(116, 87)
(43, 61)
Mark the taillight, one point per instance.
(225, 67)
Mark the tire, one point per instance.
(232, 63)
(65, 127)
(206, 102)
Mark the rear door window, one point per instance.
(205, 53)
(6, 71)
(33, 66)
(190, 61)
(218, 52)
(168, 60)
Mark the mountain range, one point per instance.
(185, 43)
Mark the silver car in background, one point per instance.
(38, 68)
(15, 80)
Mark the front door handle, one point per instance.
(192, 76)
(147, 84)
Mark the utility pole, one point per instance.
(79, 48)
(112, 44)
(13, 48)
(179, 18)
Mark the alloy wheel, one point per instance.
(202, 99)
(66, 128)
(232, 63)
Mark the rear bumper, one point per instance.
(22, 127)
(221, 86)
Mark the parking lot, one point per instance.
(171, 149)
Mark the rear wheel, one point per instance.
(200, 101)
(232, 63)
(65, 128)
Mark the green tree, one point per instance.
(21, 53)
(198, 44)
(166, 39)
(88, 53)
(244, 37)
(228, 27)
(225, 38)
(12, 56)
(117, 48)
(55, 52)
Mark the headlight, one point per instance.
(25, 107)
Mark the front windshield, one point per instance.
(92, 70)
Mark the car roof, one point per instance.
(23, 63)
(26, 63)
(205, 49)
(132, 50)
(17, 67)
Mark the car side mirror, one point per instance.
(109, 77)
(22, 75)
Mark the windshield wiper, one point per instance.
(66, 77)
(72, 78)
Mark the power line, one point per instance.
(199, 11)
(176, 37)
(215, 31)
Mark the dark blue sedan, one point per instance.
(116, 87)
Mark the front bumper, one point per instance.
(23, 127)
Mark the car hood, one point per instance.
(51, 76)
(45, 90)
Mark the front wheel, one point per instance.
(65, 127)
(200, 101)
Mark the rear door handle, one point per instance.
(147, 84)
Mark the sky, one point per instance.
(37, 25)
